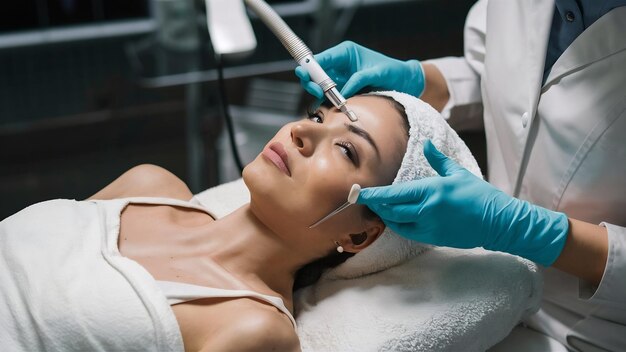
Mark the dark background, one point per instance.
(74, 115)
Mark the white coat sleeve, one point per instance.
(612, 288)
(462, 74)
(606, 325)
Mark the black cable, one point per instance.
(225, 113)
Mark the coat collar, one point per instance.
(587, 49)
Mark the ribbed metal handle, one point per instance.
(301, 53)
(281, 30)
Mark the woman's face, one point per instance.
(307, 169)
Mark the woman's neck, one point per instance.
(247, 248)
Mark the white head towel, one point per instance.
(425, 123)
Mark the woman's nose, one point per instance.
(304, 137)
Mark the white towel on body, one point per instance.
(64, 286)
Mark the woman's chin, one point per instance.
(264, 178)
(255, 178)
(265, 191)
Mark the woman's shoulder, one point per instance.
(256, 329)
(145, 180)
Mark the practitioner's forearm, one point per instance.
(585, 252)
(436, 92)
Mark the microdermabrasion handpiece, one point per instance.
(301, 53)
(352, 197)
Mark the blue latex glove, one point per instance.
(461, 210)
(354, 67)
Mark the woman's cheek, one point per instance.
(324, 166)
(330, 190)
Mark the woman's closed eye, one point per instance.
(350, 151)
(347, 148)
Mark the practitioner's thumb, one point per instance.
(373, 195)
(405, 192)
(360, 80)
(440, 162)
(305, 81)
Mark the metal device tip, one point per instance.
(351, 115)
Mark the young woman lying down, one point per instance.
(139, 267)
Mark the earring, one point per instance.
(339, 247)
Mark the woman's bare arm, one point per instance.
(260, 331)
(145, 181)
(585, 252)
(436, 92)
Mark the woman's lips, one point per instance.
(276, 153)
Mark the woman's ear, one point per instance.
(356, 242)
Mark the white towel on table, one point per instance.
(442, 300)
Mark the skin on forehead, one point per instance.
(380, 120)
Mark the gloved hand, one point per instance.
(460, 210)
(354, 67)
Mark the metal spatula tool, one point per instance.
(352, 197)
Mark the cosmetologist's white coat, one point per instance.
(560, 144)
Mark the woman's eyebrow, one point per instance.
(363, 134)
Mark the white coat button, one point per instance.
(525, 119)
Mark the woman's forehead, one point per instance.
(373, 111)
(380, 118)
(376, 115)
